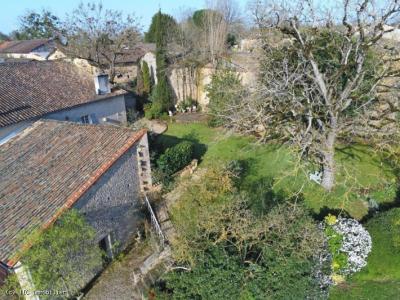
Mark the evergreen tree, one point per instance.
(146, 78)
(168, 22)
(162, 93)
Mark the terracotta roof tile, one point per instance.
(47, 168)
(33, 89)
(22, 47)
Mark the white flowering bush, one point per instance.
(349, 244)
(357, 244)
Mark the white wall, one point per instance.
(113, 109)
(150, 59)
(9, 132)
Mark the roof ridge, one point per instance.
(93, 178)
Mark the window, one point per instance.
(106, 246)
(86, 119)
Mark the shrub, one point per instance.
(234, 253)
(349, 244)
(65, 256)
(224, 91)
(155, 111)
(187, 103)
(146, 78)
(236, 169)
(175, 158)
(357, 243)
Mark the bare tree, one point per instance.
(100, 36)
(328, 79)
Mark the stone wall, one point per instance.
(150, 59)
(3, 273)
(187, 82)
(113, 204)
(125, 73)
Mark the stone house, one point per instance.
(101, 170)
(56, 90)
(127, 61)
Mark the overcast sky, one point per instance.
(145, 9)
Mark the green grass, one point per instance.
(380, 279)
(361, 173)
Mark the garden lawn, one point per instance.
(380, 279)
(361, 173)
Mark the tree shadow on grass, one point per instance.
(263, 197)
(159, 144)
(382, 207)
(325, 210)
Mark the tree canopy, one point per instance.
(162, 94)
(3, 37)
(231, 251)
(100, 35)
(35, 25)
(325, 82)
(168, 22)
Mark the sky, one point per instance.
(10, 10)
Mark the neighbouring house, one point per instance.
(126, 63)
(39, 49)
(103, 171)
(129, 60)
(56, 90)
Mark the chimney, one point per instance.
(101, 84)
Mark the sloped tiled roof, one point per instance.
(32, 89)
(133, 55)
(47, 168)
(22, 47)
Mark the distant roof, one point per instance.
(22, 47)
(32, 89)
(133, 55)
(47, 168)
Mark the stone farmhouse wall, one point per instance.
(113, 205)
(125, 73)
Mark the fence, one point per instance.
(154, 222)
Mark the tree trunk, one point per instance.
(328, 174)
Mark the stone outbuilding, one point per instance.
(103, 171)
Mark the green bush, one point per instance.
(175, 158)
(154, 111)
(65, 256)
(335, 241)
(224, 91)
(146, 78)
(232, 253)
